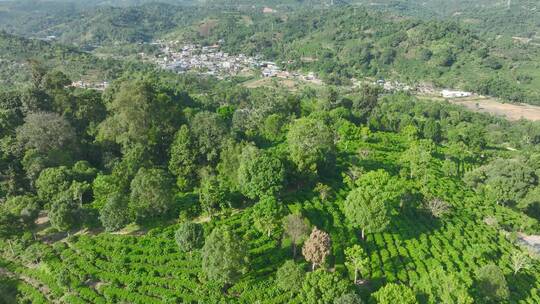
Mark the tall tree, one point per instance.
(505, 181)
(267, 214)
(210, 133)
(46, 133)
(211, 194)
(322, 287)
(189, 236)
(317, 247)
(417, 158)
(224, 257)
(443, 287)
(182, 163)
(65, 212)
(114, 215)
(311, 144)
(296, 228)
(52, 182)
(492, 284)
(289, 276)
(260, 174)
(367, 207)
(152, 193)
(356, 258)
(139, 115)
(395, 293)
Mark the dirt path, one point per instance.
(532, 241)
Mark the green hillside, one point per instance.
(99, 25)
(503, 17)
(354, 43)
(166, 187)
(16, 55)
(155, 154)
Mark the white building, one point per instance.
(455, 94)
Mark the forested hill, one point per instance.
(352, 42)
(103, 24)
(16, 53)
(262, 195)
(500, 17)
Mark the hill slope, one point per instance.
(15, 53)
(352, 42)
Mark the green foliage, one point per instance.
(103, 187)
(444, 287)
(211, 194)
(189, 236)
(223, 256)
(492, 284)
(115, 214)
(210, 133)
(52, 182)
(395, 293)
(9, 224)
(417, 158)
(322, 287)
(267, 214)
(46, 132)
(349, 298)
(290, 276)
(260, 174)
(435, 258)
(25, 207)
(140, 116)
(64, 212)
(367, 207)
(356, 259)
(182, 158)
(16, 72)
(152, 194)
(310, 144)
(505, 181)
(296, 228)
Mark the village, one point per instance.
(211, 60)
(208, 60)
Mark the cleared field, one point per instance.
(492, 106)
(290, 84)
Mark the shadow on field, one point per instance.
(414, 223)
(520, 286)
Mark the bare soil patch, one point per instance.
(510, 111)
(206, 27)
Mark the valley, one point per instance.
(279, 151)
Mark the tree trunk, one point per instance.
(294, 250)
(355, 275)
(11, 247)
(313, 267)
(363, 235)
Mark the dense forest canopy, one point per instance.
(189, 188)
